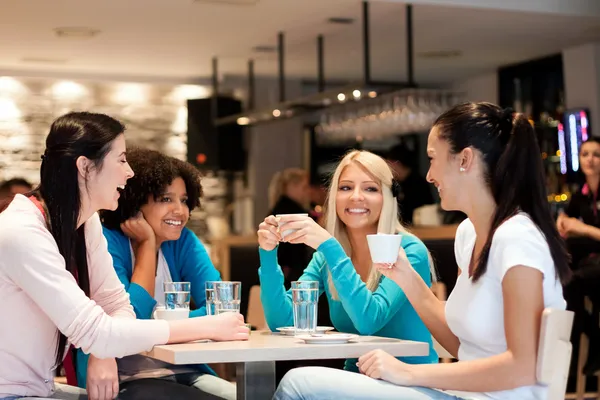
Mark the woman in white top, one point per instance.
(485, 162)
(57, 282)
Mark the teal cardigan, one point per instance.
(386, 312)
(188, 261)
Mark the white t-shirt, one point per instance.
(475, 311)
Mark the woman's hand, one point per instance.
(303, 229)
(268, 234)
(398, 271)
(102, 378)
(560, 224)
(138, 229)
(378, 364)
(573, 227)
(228, 326)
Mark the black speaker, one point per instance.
(212, 147)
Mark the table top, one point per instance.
(267, 346)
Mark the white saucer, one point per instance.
(332, 338)
(290, 331)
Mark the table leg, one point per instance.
(255, 380)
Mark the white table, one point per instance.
(255, 358)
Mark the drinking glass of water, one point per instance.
(227, 297)
(210, 298)
(177, 295)
(305, 296)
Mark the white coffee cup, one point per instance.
(384, 247)
(171, 315)
(288, 231)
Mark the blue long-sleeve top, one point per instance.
(188, 261)
(385, 312)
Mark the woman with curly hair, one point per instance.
(150, 245)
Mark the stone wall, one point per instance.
(155, 115)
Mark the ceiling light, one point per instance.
(440, 54)
(341, 97)
(356, 94)
(243, 121)
(276, 113)
(264, 49)
(68, 90)
(43, 60)
(230, 2)
(76, 32)
(372, 94)
(340, 20)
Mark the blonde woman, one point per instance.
(289, 191)
(361, 300)
(289, 194)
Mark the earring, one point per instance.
(462, 169)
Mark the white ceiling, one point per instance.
(176, 39)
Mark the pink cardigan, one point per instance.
(38, 297)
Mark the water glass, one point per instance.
(177, 295)
(227, 297)
(305, 296)
(210, 298)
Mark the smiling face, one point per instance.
(359, 199)
(589, 158)
(111, 175)
(168, 214)
(444, 171)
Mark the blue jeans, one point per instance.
(312, 383)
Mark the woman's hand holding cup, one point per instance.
(268, 233)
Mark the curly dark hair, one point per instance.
(154, 171)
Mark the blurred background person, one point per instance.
(14, 186)
(415, 191)
(289, 193)
(580, 225)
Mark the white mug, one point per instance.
(288, 231)
(384, 247)
(171, 315)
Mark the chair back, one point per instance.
(554, 351)
(256, 314)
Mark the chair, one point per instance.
(554, 352)
(256, 315)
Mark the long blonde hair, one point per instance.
(389, 221)
(280, 182)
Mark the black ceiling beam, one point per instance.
(320, 64)
(366, 42)
(410, 54)
(251, 86)
(280, 57)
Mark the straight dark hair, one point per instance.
(513, 171)
(74, 135)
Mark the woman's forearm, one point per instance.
(144, 270)
(500, 372)
(190, 329)
(430, 309)
(592, 232)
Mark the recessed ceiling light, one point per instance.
(264, 49)
(230, 2)
(440, 54)
(340, 20)
(43, 60)
(76, 32)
